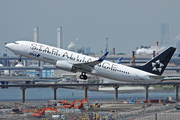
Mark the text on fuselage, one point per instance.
(105, 65)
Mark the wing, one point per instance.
(89, 66)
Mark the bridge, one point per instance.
(27, 80)
(85, 86)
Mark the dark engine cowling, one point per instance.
(65, 66)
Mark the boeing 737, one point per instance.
(75, 62)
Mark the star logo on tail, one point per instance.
(157, 66)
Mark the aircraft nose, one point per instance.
(9, 45)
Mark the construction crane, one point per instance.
(72, 104)
(42, 112)
(81, 104)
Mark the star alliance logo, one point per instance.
(157, 66)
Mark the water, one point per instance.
(39, 94)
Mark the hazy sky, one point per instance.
(127, 23)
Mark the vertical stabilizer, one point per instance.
(158, 64)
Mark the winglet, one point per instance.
(103, 57)
(119, 60)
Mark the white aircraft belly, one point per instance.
(112, 74)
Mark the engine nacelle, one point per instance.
(65, 66)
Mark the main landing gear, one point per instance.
(83, 76)
(19, 60)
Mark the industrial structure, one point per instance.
(36, 34)
(164, 34)
(59, 37)
(106, 49)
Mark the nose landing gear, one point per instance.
(83, 76)
(19, 60)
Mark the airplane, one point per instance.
(119, 60)
(75, 62)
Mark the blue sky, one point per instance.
(127, 23)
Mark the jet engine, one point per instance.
(65, 66)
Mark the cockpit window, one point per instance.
(16, 43)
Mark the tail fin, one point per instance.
(158, 64)
(119, 60)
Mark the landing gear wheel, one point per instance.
(83, 76)
(19, 60)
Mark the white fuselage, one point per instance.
(105, 69)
